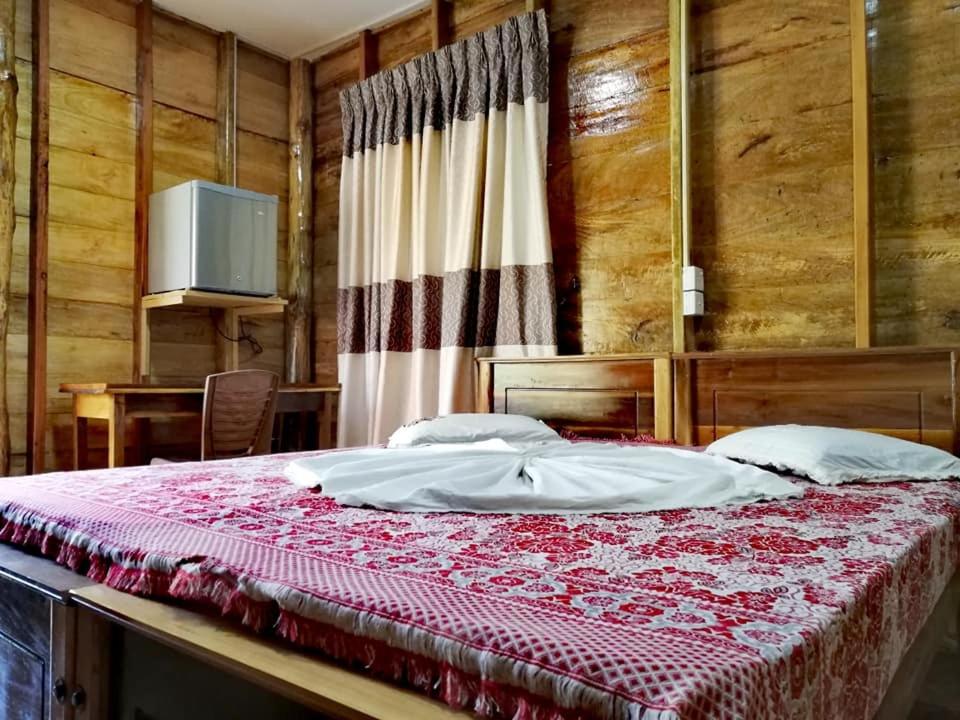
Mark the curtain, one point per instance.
(444, 242)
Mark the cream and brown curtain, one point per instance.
(444, 238)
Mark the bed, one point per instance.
(750, 611)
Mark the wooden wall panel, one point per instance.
(402, 40)
(92, 185)
(262, 167)
(609, 177)
(915, 66)
(184, 65)
(183, 147)
(263, 93)
(90, 280)
(184, 142)
(332, 74)
(472, 16)
(772, 174)
(95, 40)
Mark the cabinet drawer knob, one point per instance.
(79, 697)
(60, 690)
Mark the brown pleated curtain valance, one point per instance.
(506, 64)
(444, 238)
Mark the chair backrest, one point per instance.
(238, 412)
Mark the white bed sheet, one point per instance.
(554, 477)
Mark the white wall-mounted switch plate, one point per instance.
(693, 303)
(692, 278)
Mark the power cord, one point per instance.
(255, 345)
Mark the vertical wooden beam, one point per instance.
(663, 398)
(227, 109)
(226, 159)
(955, 395)
(863, 269)
(367, 48)
(680, 208)
(63, 635)
(144, 186)
(683, 413)
(93, 664)
(299, 316)
(227, 322)
(534, 5)
(440, 22)
(39, 206)
(8, 219)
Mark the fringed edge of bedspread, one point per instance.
(338, 632)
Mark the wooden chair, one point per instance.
(238, 412)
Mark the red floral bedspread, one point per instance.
(793, 609)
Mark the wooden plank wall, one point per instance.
(772, 175)
(185, 111)
(772, 172)
(772, 169)
(915, 65)
(92, 150)
(92, 185)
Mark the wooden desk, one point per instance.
(116, 402)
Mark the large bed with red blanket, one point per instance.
(799, 608)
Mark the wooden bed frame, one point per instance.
(58, 625)
(600, 395)
(907, 392)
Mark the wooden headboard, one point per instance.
(602, 396)
(906, 392)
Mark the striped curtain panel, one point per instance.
(444, 238)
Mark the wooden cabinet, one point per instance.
(22, 681)
(25, 658)
(37, 638)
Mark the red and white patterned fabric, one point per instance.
(790, 609)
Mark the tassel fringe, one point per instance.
(255, 605)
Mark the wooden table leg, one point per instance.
(325, 439)
(141, 435)
(115, 432)
(79, 441)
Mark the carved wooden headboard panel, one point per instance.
(602, 396)
(909, 393)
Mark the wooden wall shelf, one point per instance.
(201, 298)
(231, 308)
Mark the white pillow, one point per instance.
(831, 456)
(472, 427)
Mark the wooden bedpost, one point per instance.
(8, 137)
(298, 360)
